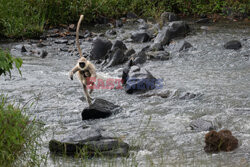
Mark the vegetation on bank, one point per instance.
(18, 134)
(19, 18)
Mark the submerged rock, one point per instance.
(202, 125)
(158, 55)
(182, 46)
(234, 44)
(100, 108)
(88, 142)
(100, 48)
(140, 37)
(220, 141)
(175, 29)
(23, 49)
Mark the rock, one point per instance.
(175, 29)
(131, 15)
(128, 53)
(118, 23)
(182, 46)
(158, 55)
(138, 81)
(201, 125)
(168, 17)
(115, 57)
(139, 58)
(140, 37)
(100, 109)
(220, 141)
(110, 32)
(61, 41)
(44, 54)
(119, 44)
(203, 20)
(143, 26)
(88, 142)
(234, 44)
(100, 48)
(156, 47)
(23, 49)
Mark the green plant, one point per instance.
(6, 62)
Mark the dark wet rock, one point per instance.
(89, 142)
(156, 47)
(44, 54)
(61, 41)
(202, 125)
(203, 21)
(42, 44)
(128, 53)
(115, 57)
(100, 109)
(110, 32)
(140, 37)
(131, 15)
(234, 44)
(138, 80)
(220, 141)
(158, 55)
(100, 48)
(174, 30)
(168, 17)
(181, 46)
(23, 49)
(118, 23)
(139, 58)
(119, 44)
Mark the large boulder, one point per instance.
(140, 37)
(138, 80)
(234, 44)
(175, 29)
(100, 108)
(116, 55)
(100, 48)
(220, 141)
(88, 142)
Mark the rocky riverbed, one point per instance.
(204, 86)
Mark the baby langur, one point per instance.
(84, 68)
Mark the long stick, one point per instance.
(77, 36)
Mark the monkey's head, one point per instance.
(82, 63)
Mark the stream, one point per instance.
(157, 128)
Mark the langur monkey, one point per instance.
(84, 68)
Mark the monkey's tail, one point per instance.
(77, 36)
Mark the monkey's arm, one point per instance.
(73, 71)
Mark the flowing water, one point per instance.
(158, 128)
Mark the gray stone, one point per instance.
(201, 125)
(100, 48)
(234, 44)
(100, 108)
(140, 37)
